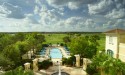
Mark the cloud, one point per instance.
(101, 7)
(89, 23)
(116, 13)
(111, 24)
(4, 11)
(30, 19)
(16, 8)
(71, 4)
(57, 2)
(108, 8)
(14, 11)
(48, 17)
(61, 15)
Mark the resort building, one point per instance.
(115, 43)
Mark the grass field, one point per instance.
(54, 38)
(58, 38)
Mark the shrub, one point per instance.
(69, 61)
(45, 64)
(45, 45)
(64, 61)
(61, 44)
(91, 70)
(19, 71)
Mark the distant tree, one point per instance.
(20, 36)
(70, 34)
(78, 34)
(66, 39)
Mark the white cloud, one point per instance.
(53, 15)
(100, 7)
(71, 4)
(119, 23)
(4, 11)
(89, 23)
(48, 17)
(74, 5)
(116, 13)
(30, 19)
(10, 11)
(109, 8)
(57, 2)
(36, 10)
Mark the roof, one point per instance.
(116, 31)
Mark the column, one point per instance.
(35, 65)
(29, 55)
(77, 60)
(34, 50)
(85, 61)
(27, 66)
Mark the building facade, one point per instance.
(115, 43)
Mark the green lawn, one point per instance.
(54, 38)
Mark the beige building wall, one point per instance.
(122, 51)
(112, 46)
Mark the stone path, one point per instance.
(70, 70)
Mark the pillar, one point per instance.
(85, 61)
(77, 60)
(35, 65)
(34, 50)
(29, 55)
(27, 66)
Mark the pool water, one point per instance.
(55, 53)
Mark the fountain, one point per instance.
(59, 72)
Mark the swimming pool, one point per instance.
(55, 53)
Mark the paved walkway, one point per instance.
(70, 70)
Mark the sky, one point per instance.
(61, 15)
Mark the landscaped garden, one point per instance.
(14, 46)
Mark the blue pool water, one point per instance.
(55, 53)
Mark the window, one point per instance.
(110, 40)
(110, 52)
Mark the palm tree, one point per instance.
(107, 65)
(114, 66)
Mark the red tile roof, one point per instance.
(116, 31)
